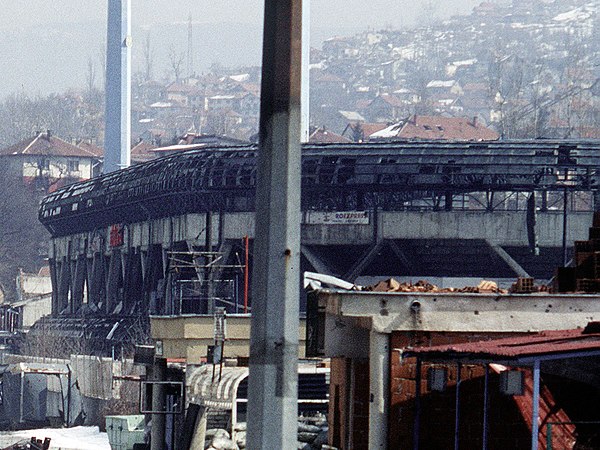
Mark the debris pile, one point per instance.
(312, 435)
(393, 285)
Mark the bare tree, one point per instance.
(90, 79)
(176, 59)
(22, 237)
(148, 58)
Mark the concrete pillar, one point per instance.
(77, 289)
(64, 283)
(379, 379)
(158, 372)
(273, 379)
(54, 278)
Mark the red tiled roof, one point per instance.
(142, 151)
(44, 145)
(321, 136)
(392, 100)
(441, 128)
(92, 148)
(539, 344)
(370, 128)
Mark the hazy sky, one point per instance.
(351, 13)
(49, 43)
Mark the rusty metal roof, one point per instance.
(556, 343)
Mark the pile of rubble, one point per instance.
(312, 435)
(392, 285)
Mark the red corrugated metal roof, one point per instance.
(539, 344)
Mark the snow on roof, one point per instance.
(222, 97)
(240, 78)
(352, 116)
(161, 105)
(465, 62)
(575, 15)
(441, 83)
(389, 132)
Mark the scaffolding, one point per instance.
(203, 281)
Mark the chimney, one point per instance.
(48, 134)
(474, 121)
(415, 119)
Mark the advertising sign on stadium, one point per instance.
(337, 217)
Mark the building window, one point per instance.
(73, 165)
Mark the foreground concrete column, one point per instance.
(158, 372)
(379, 379)
(273, 380)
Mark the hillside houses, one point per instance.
(206, 104)
(503, 64)
(526, 70)
(46, 162)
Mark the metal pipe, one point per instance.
(564, 236)
(535, 405)
(305, 128)
(208, 240)
(417, 424)
(457, 407)
(484, 445)
(273, 379)
(246, 271)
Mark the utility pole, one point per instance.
(117, 138)
(305, 127)
(273, 380)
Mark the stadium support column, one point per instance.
(273, 381)
(118, 86)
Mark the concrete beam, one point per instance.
(319, 265)
(515, 266)
(363, 262)
(463, 312)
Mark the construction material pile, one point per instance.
(392, 285)
(525, 285)
(585, 276)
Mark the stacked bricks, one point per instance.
(524, 285)
(585, 276)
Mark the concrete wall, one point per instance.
(502, 228)
(33, 310)
(189, 336)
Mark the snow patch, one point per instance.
(76, 438)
